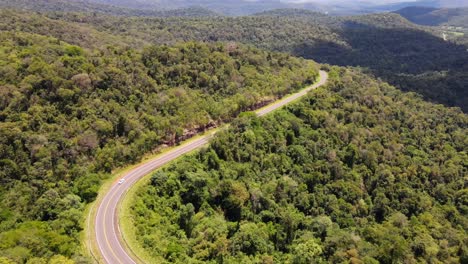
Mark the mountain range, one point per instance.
(231, 8)
(431, 16)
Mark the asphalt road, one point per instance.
(107, 231)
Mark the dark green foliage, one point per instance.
(358, 172)
(83, 93)
(408, 56)
(452, 23)
(69, 115)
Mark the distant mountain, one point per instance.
(104, 7)
(435, 16)
(249, 7)
(189, 12)
(285, 12)
(234, 7)
(363, 7)
(59, 5)
(134, 4)
(231, 8)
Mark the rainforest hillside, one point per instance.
(69, 115)
(411, 57)
(86, 88)
(357, 172)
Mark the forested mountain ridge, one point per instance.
(69, 115)
(357, 172)
(231, 7)
(409, 56)
(76, 33)
(90, 8)
(457, 17)
(290, 12)
(82, 93)
(452, 22)
(148, 8)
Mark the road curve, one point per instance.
(107, 232)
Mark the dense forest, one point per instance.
(452, 22)
(85, 6)
(86, 88)
(68, 116)
(410, 57)
(357, 172)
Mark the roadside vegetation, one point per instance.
(69, 116)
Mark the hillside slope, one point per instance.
(457, 17)
(411, 57)
(359, 172)
(69, 116)
(83, 93)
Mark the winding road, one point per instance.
(107, 233)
